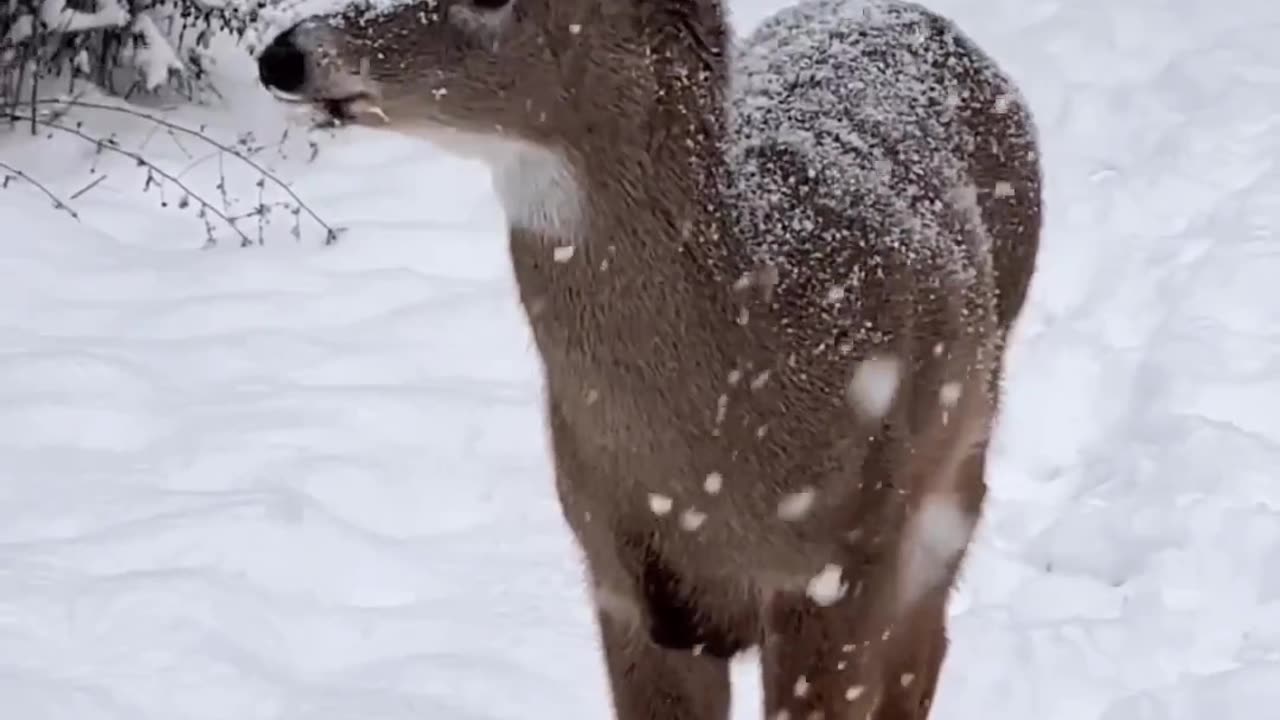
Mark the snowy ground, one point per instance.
(302, 482)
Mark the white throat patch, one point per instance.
(535, 185)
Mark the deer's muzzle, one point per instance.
(293, 70)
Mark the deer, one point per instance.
(770, 282)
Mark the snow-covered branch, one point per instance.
(58, 18)
(153, 55)
(122, 46)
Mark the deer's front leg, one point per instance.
(650, 682)
(655, 645)
(663, 662)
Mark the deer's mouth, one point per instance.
(356, 108)
(338, 111)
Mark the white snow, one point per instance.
(660, 504)
(794, 506)
(60, 18)
(307, 482)
(153, 53)
(873, 385)
(936, 535)
(828, 586)
(802, 686)
(949, 394)
(692, 519)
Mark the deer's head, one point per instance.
(533, 69)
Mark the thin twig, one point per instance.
(57, 201)
(330, 233)
(142, 162)
(92, 184)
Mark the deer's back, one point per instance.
(881, 158)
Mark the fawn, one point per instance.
(770, 284)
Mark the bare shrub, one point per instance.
(144, 53)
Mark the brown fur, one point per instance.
(693, 338)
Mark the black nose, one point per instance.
(282, 65)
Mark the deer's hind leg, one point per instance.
(920, 647)
(914, 663)
(864, 657)
(873, 649)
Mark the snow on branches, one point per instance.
(69, 72)
(59, 18)
(123, 46)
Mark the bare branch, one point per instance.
(92, 184)
(45, 37)
(57, 201)
(152, 168)
(331, 234)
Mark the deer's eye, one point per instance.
(489, 4)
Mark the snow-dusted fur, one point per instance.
(772, 327)
(879, 106)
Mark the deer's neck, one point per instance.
(628, 254)
(635, 270)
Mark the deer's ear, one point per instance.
(708, 16)
(708, 10)
(695, 25)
